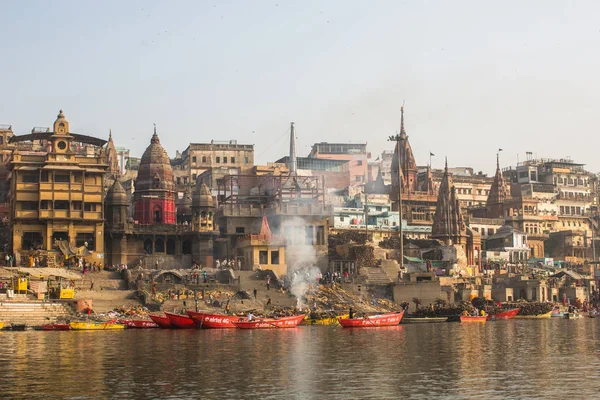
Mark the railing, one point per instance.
(27, 214)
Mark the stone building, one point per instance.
(158, 236)
(449, 226)
(57, 195)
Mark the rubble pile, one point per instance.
(530, 308)
(444, 310)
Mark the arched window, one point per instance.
(157, 214)
(170, 246)
(148, 246)
(203, 214)
(159, 245)
(186, 247)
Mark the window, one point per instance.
(45, 205)
(62, 178)
(218, 160)
(89, 207)
(246, 160)
(78, 177)
(263, 257)
(275, 257)
(194, 159)
(203, 159)
(29, 205)
(194, 177)
(179, 180)
(157, 214)
(77, 205)
(31, 240)
(29, 178)
(45, 176)
(159, 245)
(240, 229)
(490, 231)
(341, 219)
(233, 160)
(359, 163)
(320, 235)
(224, 160)
(309, 234)
(61, 205)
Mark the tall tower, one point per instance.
(112, 158)
(404, 167)
(293, 166)
(154, 196)
(61, 139)
(497, 195)
(116, 204)
(448, 223)
(202, 208)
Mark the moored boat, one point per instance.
(508, 314)
(329, 321)
(138, 323)
(56, 327)
(473, 318)
(539, 316)
(423, 320)
(269, 323)
(161, 320)
(213, 321)
(557, 313)
(1, 324)
(181, 321)
(389, 319)
(95, 326)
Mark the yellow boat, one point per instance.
(1, 324)
(95, 326)
(331, 321)
(540, 316)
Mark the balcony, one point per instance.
(61, 186)
(26, 214)
(92, 215)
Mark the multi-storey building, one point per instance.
(354, 153)
(57, 195)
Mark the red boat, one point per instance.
(161, 320)
(56, 327)
(213, 321)
(372, 321)
(472, 318)
(268, 323)
(138, 324)
(181, 321)
(509, 314)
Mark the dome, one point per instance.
(155, 172)
(116, 195)
(184, 206)
(202, 196)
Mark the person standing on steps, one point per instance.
(255, 291)
(268, 282)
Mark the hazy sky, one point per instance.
(475, 75)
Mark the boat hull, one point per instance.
(213, 321)
(425, 320)
(471, 319)
(270, 323)
(161, 321)
(540, 316)
(181, 321)
(374, 321)
(331, 321)
(56, 327)
(510, 314)
(95, 326)
(138, 324)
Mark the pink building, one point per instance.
(355, 153)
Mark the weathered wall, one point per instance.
(427, 292)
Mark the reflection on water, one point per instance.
(502, 359)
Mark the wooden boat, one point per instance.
(181, 321)
(161, 320)
(423, 320)
(473, 318)
(138, 323)
(56, 327)
(269, 323)
(95, 326)
(329, 321)
(389, 319)
(557, 313)
(213, 321)
(1, 324)
(509, 314)
(539, 316)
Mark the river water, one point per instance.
(530, 359)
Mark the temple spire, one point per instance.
(446, 167)
(402, 130)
